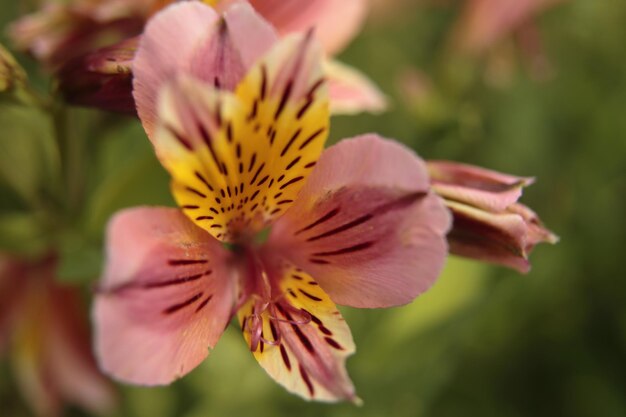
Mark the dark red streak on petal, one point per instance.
(204, 180)
(304, 108)
(307, 380)
(333, 343)
(256, 174)
(253, 112)
(303, 338)
(283, 353)
(274, 332)
(311, 296)
(321, 220)
(204, 303)
(262, 180)
(196, 192)
(263, 82)
(342, 228)
(291, 181)
(176, 307)
(204, 218)
(311, 138)
(252, 161)
(325, 330)
(177, 281)
(283, 99)
(318, 261)
(292, 163)
(177, 262)
(343, 251)
(291, 140)
(179, 137)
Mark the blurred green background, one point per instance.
(485, 341)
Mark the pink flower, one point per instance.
(489, 224)
(358, 226)
(60, 32)
(102, 77)
(486, 22)
(46, 340)
(486, 25)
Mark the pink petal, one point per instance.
(165, 298)
(537, 233)
(351, 91)
(167, 47)
(366, 225)
(190, 38)
(68, 353)
(252, 35)
(235, 44)
(498, 238)
(505, 238)
(476, 186)
(51, 353)
(336, 21)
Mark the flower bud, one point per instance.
(489, 224)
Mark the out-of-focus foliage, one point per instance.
(485, 341)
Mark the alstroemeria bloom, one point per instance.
(101, 77)
(46, 340)
(489, 224)
(358, 225)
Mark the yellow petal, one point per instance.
(239, 160)
(304, 339)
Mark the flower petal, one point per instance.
(351, 92)
(166, 296)
(250, 32)
(336, 21)
(167, 47)
(102, 78)
(476, 186)
(505, 238)
(51, 354)
(366, 224)
(304, 341)
(238, 161)
(68, 353)
(190, 38)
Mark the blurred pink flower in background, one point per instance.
(489, 224)
(68, 38)
(43, 331)
(356, 224)
(59, 32)
(485, 25)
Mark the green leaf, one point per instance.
(127, 174)
(80, 260)
(29, 161)
(20, 233)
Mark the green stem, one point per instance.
(72, 153)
